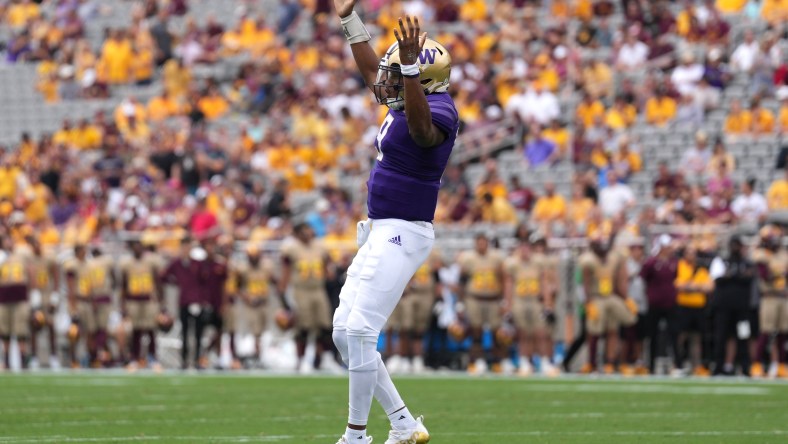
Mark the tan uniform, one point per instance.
(43, 281)
(14, 306)
(86, 309)
(773, 311)
(140, 292)
(605, 311)
(484, 289)
(229, 318)
(309, 284)
(528, 280)
(254, 285)
(413, 312)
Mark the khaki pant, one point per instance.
(142, 314)
(774, 315)
(15, 319)
(481, 312)
(256, 318)
(527, 314)
(230, 317)
(313, 310)
(413, 313)
(609, 313)
(92, 319)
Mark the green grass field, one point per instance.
(115, 407)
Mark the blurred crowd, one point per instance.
(286, 137)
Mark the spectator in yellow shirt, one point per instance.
(579, 206)
(777, 196)
(65, 135)
(162, 107)
(660, 109)
(550, 207)
(775, 11)
(626, 161)
(730, 6)
(497, 210)
(622, 115)
(597, 79)
(473, 10)
(87, 136)
(117, 55)
(588, 109)
(21, 13)
(142, 65)
(738, 121)
(48, 87)
(762, 118)
(9, 180)
(213, 105)
(558, 135)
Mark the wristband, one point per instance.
(354, 29)
(410, 70)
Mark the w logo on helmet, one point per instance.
(427, 56)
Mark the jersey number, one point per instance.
(384, 129)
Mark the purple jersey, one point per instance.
(405, 180)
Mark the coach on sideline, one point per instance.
(733, 285)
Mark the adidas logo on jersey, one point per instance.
(396, 240)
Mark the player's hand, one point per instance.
(344, 7)
(410, 40)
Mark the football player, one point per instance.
(215, 272)
(140, 302)
(229, 313)
(413, 314)
(103, 283)
(605, 281)
(693, 284)
(15, 281)
(413, 145)
(481, 295)
(527, 294)
(304, 266)
(45, 281)
(255, 281)
(549, 263)
(772, 262)
(81, 306)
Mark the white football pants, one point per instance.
(375, 281)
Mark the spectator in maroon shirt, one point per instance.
(666, 181)
(185, 272)
(522, 198)
(659, 275)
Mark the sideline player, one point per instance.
(46, 281)
(605, 283)
(305, 266)
(413, 144)
(481, 272)
(527, 294)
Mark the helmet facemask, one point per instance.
(389, 86)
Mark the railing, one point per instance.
(485, 140)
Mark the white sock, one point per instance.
(356, 436)
(363, 373)
(401, 419)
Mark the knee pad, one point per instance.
(340, 340)
(357, 325)
(362, 353)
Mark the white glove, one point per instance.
(363, 227)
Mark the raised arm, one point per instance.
(417, 110)
(358, 36)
